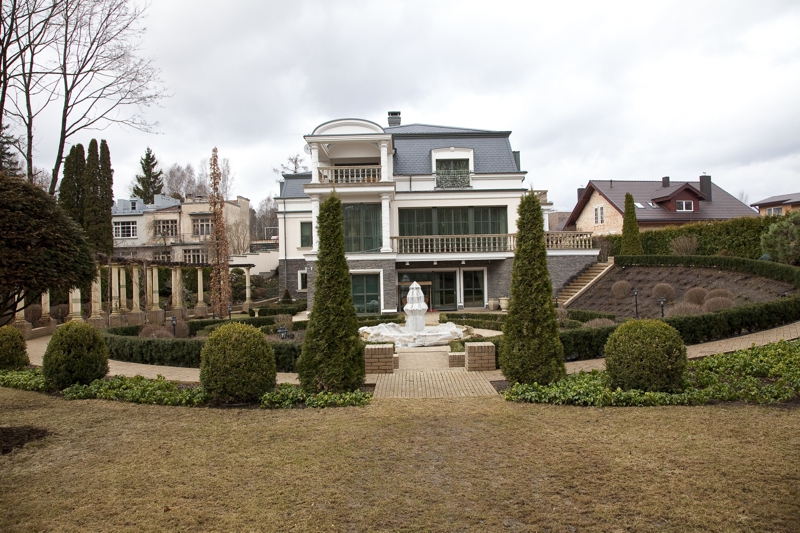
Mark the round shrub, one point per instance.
(76, 353)
(648, 355)
(13, 355)
(154, 331)
(237, 364)
(621, 289)
(684, 309)
(719, 293)
(599, 323)
(664, 290)
(696, 295)
(717, 304)
(33, 314)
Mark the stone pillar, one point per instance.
(384, 161)
(386, 224)
(46, 307)
(135, 282)
(479, 357)
(97, 298)
(201, 309)
(178, 308)
(314, 163)
(148, 288)
(114, 290)
(19, 320)
(123, 289)
(246, 304)
(314, 215)
(75, 301)
(154, 305)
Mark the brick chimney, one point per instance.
(665, 181)
(581, 190)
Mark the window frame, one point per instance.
(680, 206)
(132, 226)
(199, 224)
(310, 236)
(171, 227)
(771, 211)
(302, 280)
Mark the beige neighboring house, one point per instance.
(171, 230)
(601, 204)
(778, 205)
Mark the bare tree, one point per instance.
(100, 74)
(227, 180)
(219, 256)
(295, 166)
(239, 236)
(265, 219)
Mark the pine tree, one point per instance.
(332, 358)
(9, 163)
(71, 190)
(151, 181)
(531, 351)
(218, 250)
(631, 240)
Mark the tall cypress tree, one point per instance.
(96, 211)
(71, 190)
(333, 356)
(150, 182)
(531, 350)
(105, 230)
(631, 240)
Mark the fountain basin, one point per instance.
(430, 336)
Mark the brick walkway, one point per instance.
(424, 372)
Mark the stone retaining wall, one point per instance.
(379, 358)
(479, 357)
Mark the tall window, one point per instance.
(452, 173)
(362, 228)
(202, 226)
(774, 211)
(366, 290)
(306, 239)
(165, 228)
(453, 221)
(195, 255)
(684, 205)
(125, 230)
(599, 216)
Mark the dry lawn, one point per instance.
(474, 464)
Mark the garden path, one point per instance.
(424, 373)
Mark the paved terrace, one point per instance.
(424, 372)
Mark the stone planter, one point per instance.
(504, 304)
(494, 304)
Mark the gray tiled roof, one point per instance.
(782, 199)
(430, 128)
(721, 207)
(293, 185)
(492, 153)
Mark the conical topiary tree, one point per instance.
(333, 356)
(71, 190)
(531, 350)
(631, 240)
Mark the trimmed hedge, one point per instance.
(739, 237)
(290, 309)
(776, 271)
(125, 331)
(257, 322)
(584, 316)
(497, 317)
(584, 343)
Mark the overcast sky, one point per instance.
(590, 90)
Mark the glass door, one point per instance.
(444, 291)
(473, 288)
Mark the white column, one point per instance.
(97, 300)
(384, 161)
(314, 163)
(123, 289)
(19, 315)
(75, 299)
(314, 215)
(177, 289)
(46, 305)
(386, 224)
(155, 304)
(148, 287)
(247, 285)
(135, 282)
(114, 290)
(200, 286)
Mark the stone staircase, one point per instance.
(586, 278)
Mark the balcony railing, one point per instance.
(360, 174)
(167, 239)
(448, 244)
(452, 179)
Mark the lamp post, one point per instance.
(282, 331)
(174, 324)
(661, 302)
(636, 301)
(556, 301)
(230, 310)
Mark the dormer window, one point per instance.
(684, 205)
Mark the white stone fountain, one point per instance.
(414, 333)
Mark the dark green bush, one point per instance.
(169, 352)
(138, 389)
(125, 331)
(484, 317)
(197, 325)
(631, 238)
(582, 315)
(584, 343)
(287, 396)
(76, 353)
(13, 355)
(782, 239)
(647, 355)
(286, 355)
(739, 237)
(237, 364)
(569, 324)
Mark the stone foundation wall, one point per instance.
(564, 267)
(379, 358)
(499, 274)
(289, 268)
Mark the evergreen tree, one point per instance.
(631, 240)
(333, 356)
(9, 163)
(104, 232)
(151, 181)
(95, 211)
(71, 190)
(531, 350)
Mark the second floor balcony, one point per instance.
(346, 175)
(450, 244)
